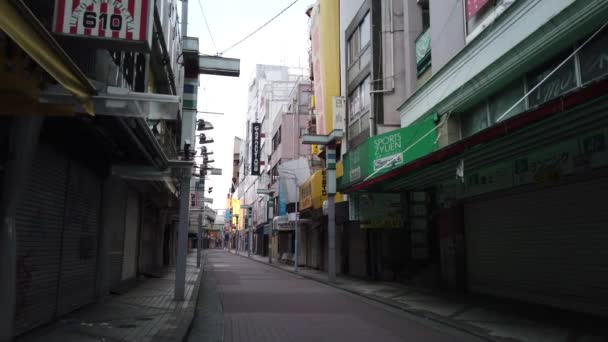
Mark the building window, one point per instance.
(479, 14)
(303, 131)
(594, 59)
(358, 40)
(475, 120)
(501, 102)
(274, 174)
(359, 100)
(365, 29)
(563, 80)
(276, 140)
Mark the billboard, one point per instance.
(255, 148)
(123, 22)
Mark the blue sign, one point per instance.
(282, 204)
(227, 215)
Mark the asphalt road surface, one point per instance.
(245, 300)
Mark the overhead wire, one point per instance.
(259, 28)
(200, 5)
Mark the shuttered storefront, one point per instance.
(57, 233)
(80, 237)
(115, 204)
(129, 261)
(39, 221)
(315, 253)
(546, 246)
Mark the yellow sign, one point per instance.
(314, 191)
(314, 149)
(325, 36)
(236, 212)
(306, 195)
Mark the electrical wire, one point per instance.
(200, 5)
(258, 29)
(553, 71)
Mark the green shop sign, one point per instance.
(541, 166)
(385, 152)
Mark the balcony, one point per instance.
(423, 52)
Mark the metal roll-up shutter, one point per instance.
(39, 222)
(80, 239)
(129, 260)
(546, 246)
(315, 253)
(115, 202)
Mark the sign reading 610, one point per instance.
(114, 20)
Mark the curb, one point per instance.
(184, 318)
(188, 317)
(422, 314)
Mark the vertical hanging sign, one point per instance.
(118, 23)
(255, 149)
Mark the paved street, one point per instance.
(244, 300)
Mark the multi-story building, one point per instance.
(94, 112)
(288, 127)
(269, 93)
(500, 162)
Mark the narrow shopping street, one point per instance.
(258, 302)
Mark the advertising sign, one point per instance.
(380, 210)
(118, 21)
(193, 199)
(255, 148)
(282, 201)
(388, 151)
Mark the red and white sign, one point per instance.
(473, 6)
(193, 200)
(122, 20)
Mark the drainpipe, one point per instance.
(184, 17)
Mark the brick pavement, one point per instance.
(147, 312)
(487, 318)
(262, 303)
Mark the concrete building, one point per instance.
(269, 93)
(499, 164)
(89, 152)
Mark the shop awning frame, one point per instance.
(22, 26)
(582, 96)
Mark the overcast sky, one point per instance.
(282, 42)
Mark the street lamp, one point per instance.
(330, 161)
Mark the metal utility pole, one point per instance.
(199, 246)
(297, 246)
(184, 18)
(201, 216)
(330, 160)
(250, 233)
(182, 233)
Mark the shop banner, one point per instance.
(255, 148)
(388, 151)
